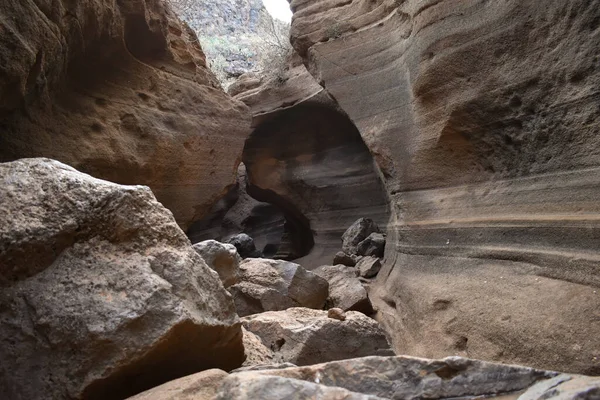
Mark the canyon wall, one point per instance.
(119, 90)
(483, 119)
(307, 158)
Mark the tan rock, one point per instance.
(345, 289)
(221, 257)
(336, 313)
(304, 336)
(201, 386)
(119, 90)
(481, 118)
(102, 294)
(256, 352)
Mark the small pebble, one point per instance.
(336, 313)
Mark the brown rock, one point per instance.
(304, 336)
(481, 118)
(271, 285)
(119, 90)
(201, 386)
(102, 294)
(336, 313)
(358, 233)
(251, 386)
(413, 378)
(344, 259)
(307, 158)
(256, 352)
(368, 267)
(221, 257)
(345, 289)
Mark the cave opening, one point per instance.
(306, 177)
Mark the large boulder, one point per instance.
(345, 290)
(417, 378)
(481, 117)
(304, 336)
(221, 257)
(249, 386)
(357, 233)
(120, 90)
(271, 285)
(102, 294)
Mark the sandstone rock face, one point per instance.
(102, 295)
(236, 213)
(221, 257)
(201, 386)
(482, 118)
(271, 285)
(119, 90)
(303, 336)
(309, 160)
(345, 290)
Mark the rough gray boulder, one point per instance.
(345, 290)
(271, 285)
(345, 259)
(356, 233)
(201, 386)
(373, 245)
(221, 257)
(252, 386)
(368, 267)
(244, 245)
(304, 336)
(102, 295)
(418, 378)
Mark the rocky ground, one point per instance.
(407, 211)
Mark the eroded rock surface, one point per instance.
(102, 295)
(271, 285)
(482, 118)
(221, 257)
(304, 336)
(345, 290)
(119, 90)
(308, 159)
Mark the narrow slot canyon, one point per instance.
(308, 199)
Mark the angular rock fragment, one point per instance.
(356, 233)
(256, 352)
(345, 289)
(102, 294)
(417, 378)
(271, 285)
(304, 336)
(221, 257)
(565, 387)
(201, 386)
(244, 245)
(368, 267)
(345, 259)
(373, 245)
(251, 386)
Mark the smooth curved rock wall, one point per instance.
(119, 90)
(483, 119)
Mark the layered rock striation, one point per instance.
(483, 120)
